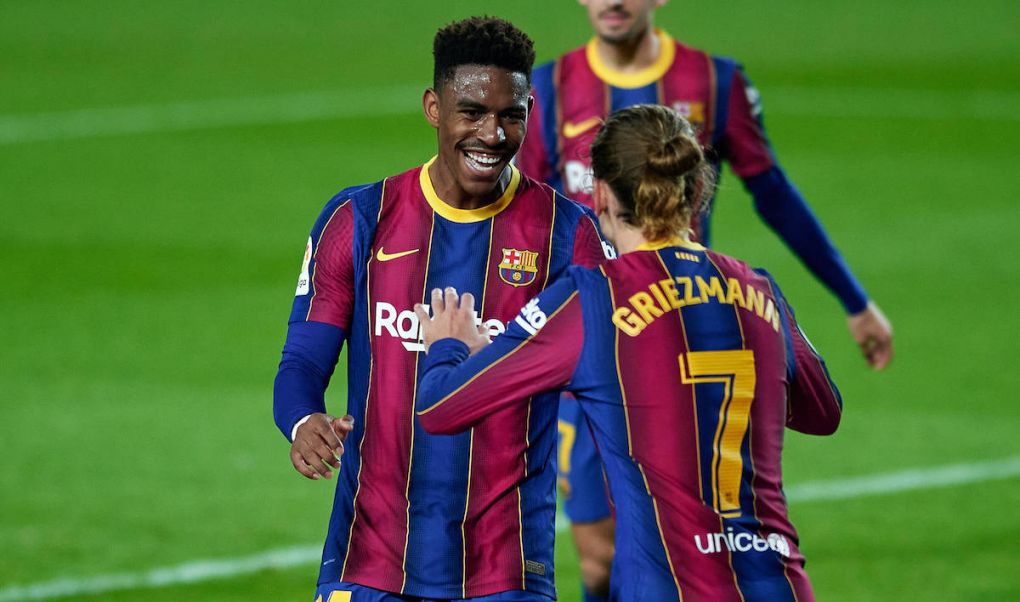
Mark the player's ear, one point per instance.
(598, 196)
(531, 103)
(430, 104)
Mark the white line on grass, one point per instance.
(215, 113)
(896, 103)
(204, 570)
(904, 480)
(190, 572)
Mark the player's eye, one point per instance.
(472, 114)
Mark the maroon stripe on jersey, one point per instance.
(333, 295)
(690, 88)
(655, 409)
(396, 281)
(747, 148)
(767, 422)
(583, 101)
(691, 81)
(492, 529)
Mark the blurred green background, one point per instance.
(161, 164)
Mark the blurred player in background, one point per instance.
(418, 516)
(628, 62)
(687, 363)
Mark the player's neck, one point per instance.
(633, 55)
(628, 239)
(631, 239)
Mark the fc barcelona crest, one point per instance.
(518, 268)
(694, 112)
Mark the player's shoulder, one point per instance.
(537, 191)
(364, 199)
(683, 49)
(731, 267)
(347, 196)
(723, 66)
(550, 66)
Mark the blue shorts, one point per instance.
(350, 592)
(582, 481)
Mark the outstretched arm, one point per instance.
(784, 209)
(538, 352)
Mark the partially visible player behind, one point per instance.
(687, 363)
(627, 62)
(417, 516)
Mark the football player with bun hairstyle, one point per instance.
(688, 365)
(418, 516)
(630, 61)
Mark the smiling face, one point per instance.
(480, 115)
(620, 21)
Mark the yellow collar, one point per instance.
(676, 241)
(466, 215)
(638, 79)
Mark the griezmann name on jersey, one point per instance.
(688, 365)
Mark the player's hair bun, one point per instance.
(675, 157)
(650, 158)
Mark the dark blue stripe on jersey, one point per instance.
(545, 91)
(461, 264)
(724, 70)
(714, 326)
(365, 203)
(760, 575)
(538, 490)
(791, 356)
(607, 418)
(565, 219)
(621, 98)
(709, 326)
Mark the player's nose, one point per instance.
(491, 131)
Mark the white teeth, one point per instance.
(483, 160)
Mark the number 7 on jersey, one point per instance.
(735, 371)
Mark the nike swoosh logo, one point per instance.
(573, 130)
(384, 256)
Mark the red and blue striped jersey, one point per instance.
(416, 513)
(575, 93)
(688, 365)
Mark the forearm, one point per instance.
(437, 382)
(309, 356)
(783, 208)
(457, 391)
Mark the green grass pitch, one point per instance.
(147, 276)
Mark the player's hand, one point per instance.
(453, 316)
(318, 445)
(873, 333)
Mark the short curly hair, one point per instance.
(487, 41)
